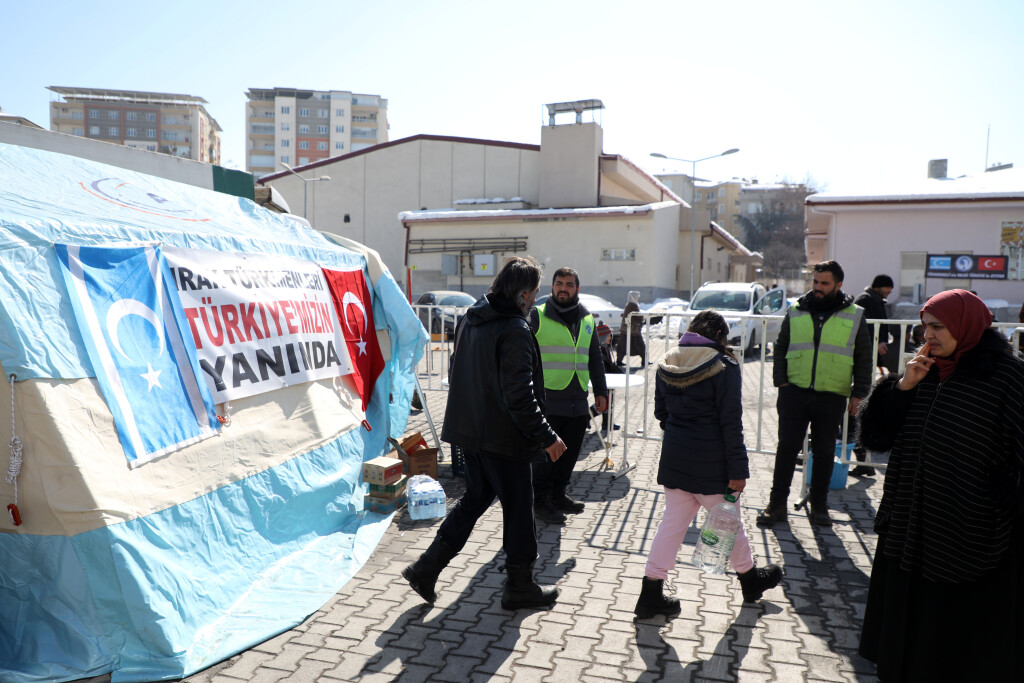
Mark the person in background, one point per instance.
(697, 400)
(635, 331)
(571, 357)
(495, 413)
(604, 338)
(946, 596)
(822, 357)
(1020, 337)
(872, 300)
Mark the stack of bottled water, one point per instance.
(717, 538)
(426, 498)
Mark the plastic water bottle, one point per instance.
(717, 538)
(427, 499)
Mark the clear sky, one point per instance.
(841, 93)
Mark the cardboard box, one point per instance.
(413, 442)
(392, 490)
(422, 461)
(384, 506)
(382, 470)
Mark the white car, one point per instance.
(604, 311)
(751, 302)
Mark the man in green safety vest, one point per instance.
(570, 354)
(821, 358)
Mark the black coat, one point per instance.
(496, 385)
(873, 304)
(954, 487)
(697, 400)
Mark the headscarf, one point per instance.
(634, 297)
(965, 316)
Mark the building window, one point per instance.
(151, 116)
(721, 192)
(304, 112)
(323, 113)
(286, 110)
(303, 128)
(285, 158)
(339, 129)
(303, 144)
(94, 114)
(618, 254)
(339, 112)
(76, 114)
(285, 126)
(114, 130)
(268, 114)
(132, 132)
(131, 116)
(94, 130)
(114, 115)
(151, 148)
(325, 96)
(286, 143)
(78, 131)
(303, 161)
(339, 145)
(150, 132)
(322, 146)
(321, 130)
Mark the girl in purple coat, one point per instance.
(697, 401)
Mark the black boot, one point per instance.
(545, 510)
(522, 591)
(653, 601)
(775, 512)
(563, 503)
(759, 579)
(422, 574)
(819, 514)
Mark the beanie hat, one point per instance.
(603, 332)
(882, 281)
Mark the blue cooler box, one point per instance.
(840, 471)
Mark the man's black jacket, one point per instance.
(572, 401)
(496, 385)
(873, 304)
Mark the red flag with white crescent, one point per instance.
(354, 307)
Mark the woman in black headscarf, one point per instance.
(946, 598)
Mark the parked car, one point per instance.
(749, 299)
(604, 311)
(670, 304)
(445, 309)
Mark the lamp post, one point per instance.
(305, 184)
(693, 184)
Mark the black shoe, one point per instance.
(759, 579)
(422, 574)
(523, 592)
(819, 515)
(774, 513)
(862, 471)
(653, 600)
(564, 503)
(545, 511)
(614, 427)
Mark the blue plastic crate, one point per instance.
(840, 471)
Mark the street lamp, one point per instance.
(693, 184)
(305, 183)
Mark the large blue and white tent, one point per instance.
(156, 539)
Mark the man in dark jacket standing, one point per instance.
(872, 300)
(823, 347)
(571, 356)
(495, 413)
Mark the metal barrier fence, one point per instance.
(665, 333)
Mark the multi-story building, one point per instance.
(299, 127)
(169, 123)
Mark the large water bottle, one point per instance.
(717, 538)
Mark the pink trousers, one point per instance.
(680, 509)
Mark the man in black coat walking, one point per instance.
(872, 300)
(495, 413)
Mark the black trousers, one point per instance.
(798, 408)
(487, 478)
(553, 477)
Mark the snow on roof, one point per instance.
(1005, 184)
(497, 214)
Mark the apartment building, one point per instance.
(168, 123)
(300, 127)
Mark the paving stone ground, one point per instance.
(377, 629)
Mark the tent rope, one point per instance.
(226, 418)
(14, 466)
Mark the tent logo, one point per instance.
(123, 193)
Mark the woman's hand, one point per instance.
(917, 368)
(737, 485)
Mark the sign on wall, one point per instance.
(967, 266)
(1011, 245)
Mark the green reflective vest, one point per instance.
(829, 365)
(560, 356)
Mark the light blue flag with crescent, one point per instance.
(133, 327)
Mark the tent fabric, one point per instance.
(162, 570)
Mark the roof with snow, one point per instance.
(1002, 185)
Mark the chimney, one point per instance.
(937, 168)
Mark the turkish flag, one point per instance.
(354, 307)
(991, 263)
